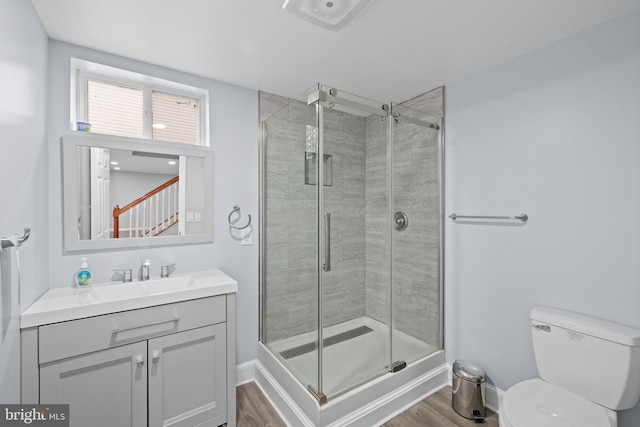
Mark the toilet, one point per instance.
(589, 368)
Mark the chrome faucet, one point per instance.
(144, 270)
(126, 275)
(164, 270)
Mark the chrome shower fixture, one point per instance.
(332, 15)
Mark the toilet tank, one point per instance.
(594, 358)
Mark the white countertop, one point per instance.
(70, 303)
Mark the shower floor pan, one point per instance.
(355, 364)
(354, 352)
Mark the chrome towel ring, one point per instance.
(236, 209)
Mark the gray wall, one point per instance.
(233, 123)
(193, 195)
(416, 254)
(554, 133)
(23, 173)
(290, 221)
(344, 286)
(377, 221)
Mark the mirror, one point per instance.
(122, 192)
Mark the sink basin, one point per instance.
(70, 303)
(141, 289)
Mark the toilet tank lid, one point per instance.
(587, 325)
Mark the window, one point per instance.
(115, 110)
(175, 118)
(122, 103)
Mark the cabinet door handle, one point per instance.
(159, 322)
(139, 361)
(155, 356)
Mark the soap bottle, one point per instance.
(83, 277)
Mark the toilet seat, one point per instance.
(537, 403)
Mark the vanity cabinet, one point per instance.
(187, 378)
(102, 388)
(165, 365)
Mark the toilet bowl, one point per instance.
(536, 403)
(588, 371)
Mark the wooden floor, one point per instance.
(436, 411)
(254, 410)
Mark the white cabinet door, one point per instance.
(188, 378)
(106, 388)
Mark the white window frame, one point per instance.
(82, 71)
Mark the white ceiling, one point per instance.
(394, 50)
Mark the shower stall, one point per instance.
(351, 241)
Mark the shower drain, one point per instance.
(334, 339)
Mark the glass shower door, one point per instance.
(290, 257)
(416, 235)
(354, 274)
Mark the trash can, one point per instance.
(468, 390)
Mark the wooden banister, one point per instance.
(139, 200)
(117, 210)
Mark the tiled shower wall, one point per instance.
(415, 251)
(290, 229)
(291, 220)
(416, 257)
(357, 285)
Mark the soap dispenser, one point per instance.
(83, 277)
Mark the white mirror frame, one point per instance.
(71, 142)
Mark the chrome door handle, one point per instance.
(327, 242)
(139, 361)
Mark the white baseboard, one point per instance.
(286, 407)
(372, 404)
(246, 372)
(494, 394)
(384, 408)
